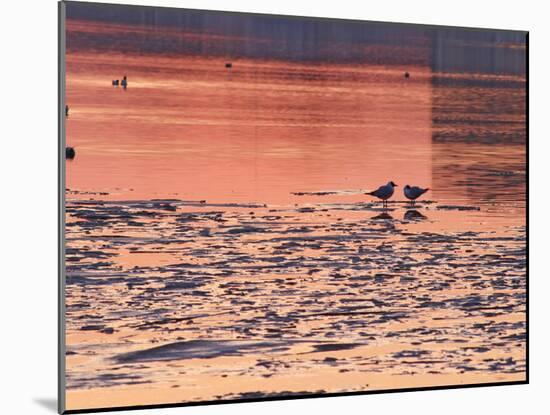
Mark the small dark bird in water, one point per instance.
(407, 75)
(228, 65)
(70, 153)
(115, 82)
(413, 193)
(124, 82)
(66, 110)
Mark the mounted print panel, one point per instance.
(261, 207)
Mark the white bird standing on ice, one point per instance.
(384, 192)
(414, 192)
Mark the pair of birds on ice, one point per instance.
(123, 82)
(386, 191)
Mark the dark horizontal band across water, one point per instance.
(244, 35)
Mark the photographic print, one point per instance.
(261, 207)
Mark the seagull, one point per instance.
(384, 192)
(414, 192)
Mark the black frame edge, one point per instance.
(527, 277)
(292, 398)
(61, 346)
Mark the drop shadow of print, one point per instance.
(49, 403)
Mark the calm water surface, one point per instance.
(220, 243)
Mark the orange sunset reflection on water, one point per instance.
(221, 245)
(247, 134)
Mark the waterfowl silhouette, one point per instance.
(414, 192)
(384, 192)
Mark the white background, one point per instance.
(28, 227)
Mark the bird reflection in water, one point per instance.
(383, 216)
(413, 214)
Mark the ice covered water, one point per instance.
(220, 243)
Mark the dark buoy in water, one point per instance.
(407, 75)
(69, 153)
(66, 110)
(228, 65)
(124, 82)
(115, 82)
